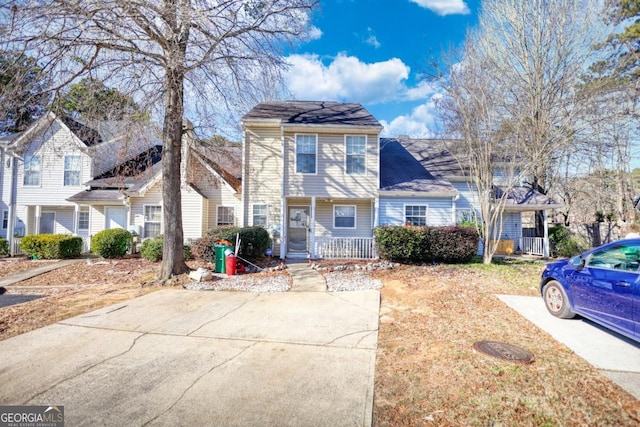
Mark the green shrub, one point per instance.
(453, 245)
(111, 243)
(152, 249)
(402, 243)
(565, 243)
(432, 244)
(254, 241)
(4, 247)
(51, 246)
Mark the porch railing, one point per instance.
(345, 247)
(532, 245)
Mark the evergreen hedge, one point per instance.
(51, 246)
(111, 243)
(451, 244)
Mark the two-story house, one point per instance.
(311, 176)
(320, 178)
(62, 176)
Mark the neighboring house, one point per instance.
(62, 176)
(45, 165)
(422, 184)
(311, 177)
(320, 178)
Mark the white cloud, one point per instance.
(444, 7)
(372, 39)
(346, 78)
(420, 123)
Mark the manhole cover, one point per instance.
(11, 299)
(504, 351)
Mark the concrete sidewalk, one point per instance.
(204, 358)
(615, 356)
(28, 274)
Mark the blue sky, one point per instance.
(373, 52)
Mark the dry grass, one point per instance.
(427, 373)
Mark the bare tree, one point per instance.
(208, 54)
(539, 49)
(484, 141)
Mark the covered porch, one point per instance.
(328, 228)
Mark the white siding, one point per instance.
(262, 177)
(439, 210)
(324, 219)
(52, 144)
(331, 179)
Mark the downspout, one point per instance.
(283, 213)
(12, 202)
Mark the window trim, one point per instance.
(145, 222)
(233, 210)
(24, 170)
(266, 214)
(79, 170)
(346, 155)
(422, 205)
(88, 220)
(355, 217)
(295, 146)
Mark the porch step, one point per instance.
(305, 279)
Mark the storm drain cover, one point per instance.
(504, 351)
(11, 299)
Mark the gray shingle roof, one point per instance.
(313, 113)
(414, 166)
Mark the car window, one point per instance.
(620, 257)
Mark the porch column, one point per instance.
(312, 241)
(76, 219)
(376, 209)
(283, 229)
(545, 241)
(37, 219)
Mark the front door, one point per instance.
(47, 222)
(298, 229)
(115, 218)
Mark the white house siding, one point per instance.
(468, 198)
(192, 212)
(439, 210)
(5, 186)
(330, 179)
(52, 144)
(324, 219)
(262, 176)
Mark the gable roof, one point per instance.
(86, 134)
(224, 161)
(312, 113)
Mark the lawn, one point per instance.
(428, 374)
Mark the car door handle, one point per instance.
(623, 284)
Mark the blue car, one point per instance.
(602, 285)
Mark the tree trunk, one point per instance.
(172, 250)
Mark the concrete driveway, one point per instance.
(615, 356)
(204, 358)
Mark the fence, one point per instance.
(532, 245)
(346, 247)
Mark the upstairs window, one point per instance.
(306, 153)
(344, 217)
(415, 215)
(356, 148)
(152, 221)
(225, 215)
(31, 170)
(72, 171)
(260, 215)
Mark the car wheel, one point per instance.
(555, 298)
